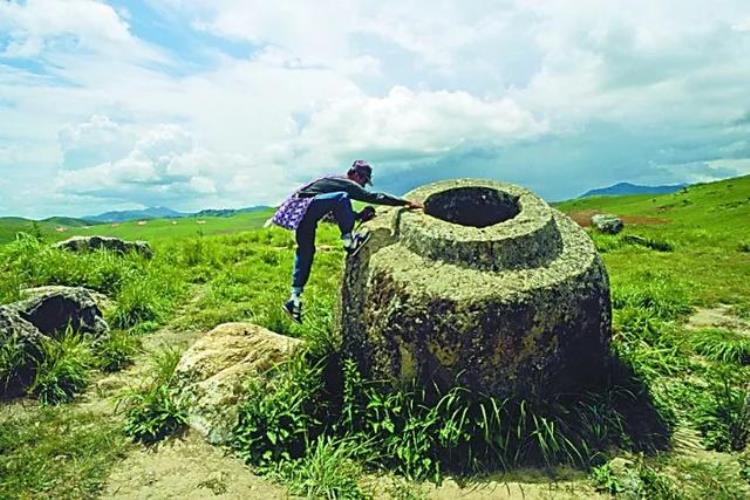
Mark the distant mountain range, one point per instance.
(623, 188)
(166, 213)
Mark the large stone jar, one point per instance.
(489, 288)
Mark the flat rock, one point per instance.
(607, 223)
(212, 373)
(118, 245)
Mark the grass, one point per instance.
(153, 410)
(63, 369)
(57, 453)
(318, 427)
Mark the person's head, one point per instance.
(360, 172)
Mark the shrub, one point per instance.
(744, 246)
(653, 244)
(153, 411)
(63, 369)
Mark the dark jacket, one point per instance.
(355, 191)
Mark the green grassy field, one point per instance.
(59, 228)
(692, 251)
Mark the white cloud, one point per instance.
(408, 124)
(405, 84)
(40, 25)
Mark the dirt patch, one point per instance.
(500, 489)
(583, 218)
(718, 317)
(186, 467)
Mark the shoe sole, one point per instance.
(359, 247)
(291, 317)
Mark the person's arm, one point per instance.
(357, 192)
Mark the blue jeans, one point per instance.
(341, 206)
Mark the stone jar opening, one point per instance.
(472, 206)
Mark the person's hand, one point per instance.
(415, 205)
(367, 213)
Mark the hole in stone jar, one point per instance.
(472, 206)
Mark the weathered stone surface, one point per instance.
(212, 373)
(607, 223)
(21, 340)
(101, 300)
(88, 243)
(489, 288)
(52, 309)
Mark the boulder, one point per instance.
(607, 223)
(211, 375)
(52, 309)
(88, 243)
(488, 288)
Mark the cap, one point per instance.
(364, 169)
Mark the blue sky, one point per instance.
(228, 103)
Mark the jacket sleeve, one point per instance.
(357, 192)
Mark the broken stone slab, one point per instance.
(488, 288)
(101, 300)
(212, 374)
(52, 309)
(117, 245)
(607, 223)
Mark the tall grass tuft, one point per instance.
(153, 410)
(18, 358)
(330, 469)
(63, 369)
(722, 415)
(722, 345)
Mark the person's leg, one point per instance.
(341, 206)
(304, 255)
(337, 203)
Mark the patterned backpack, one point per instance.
(293, 209)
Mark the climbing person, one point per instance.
(312, 202)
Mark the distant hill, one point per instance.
(168, 213)
(625, 188)
(146, 213)
(10, 226)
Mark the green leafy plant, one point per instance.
(63, 369)
(283, 415)
(330, 469)
(152, 410)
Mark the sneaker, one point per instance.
(293, 309)
(355, 243)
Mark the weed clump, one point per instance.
(63, 369)
(421, 432)
(153, 411)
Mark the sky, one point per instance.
(197, 104)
